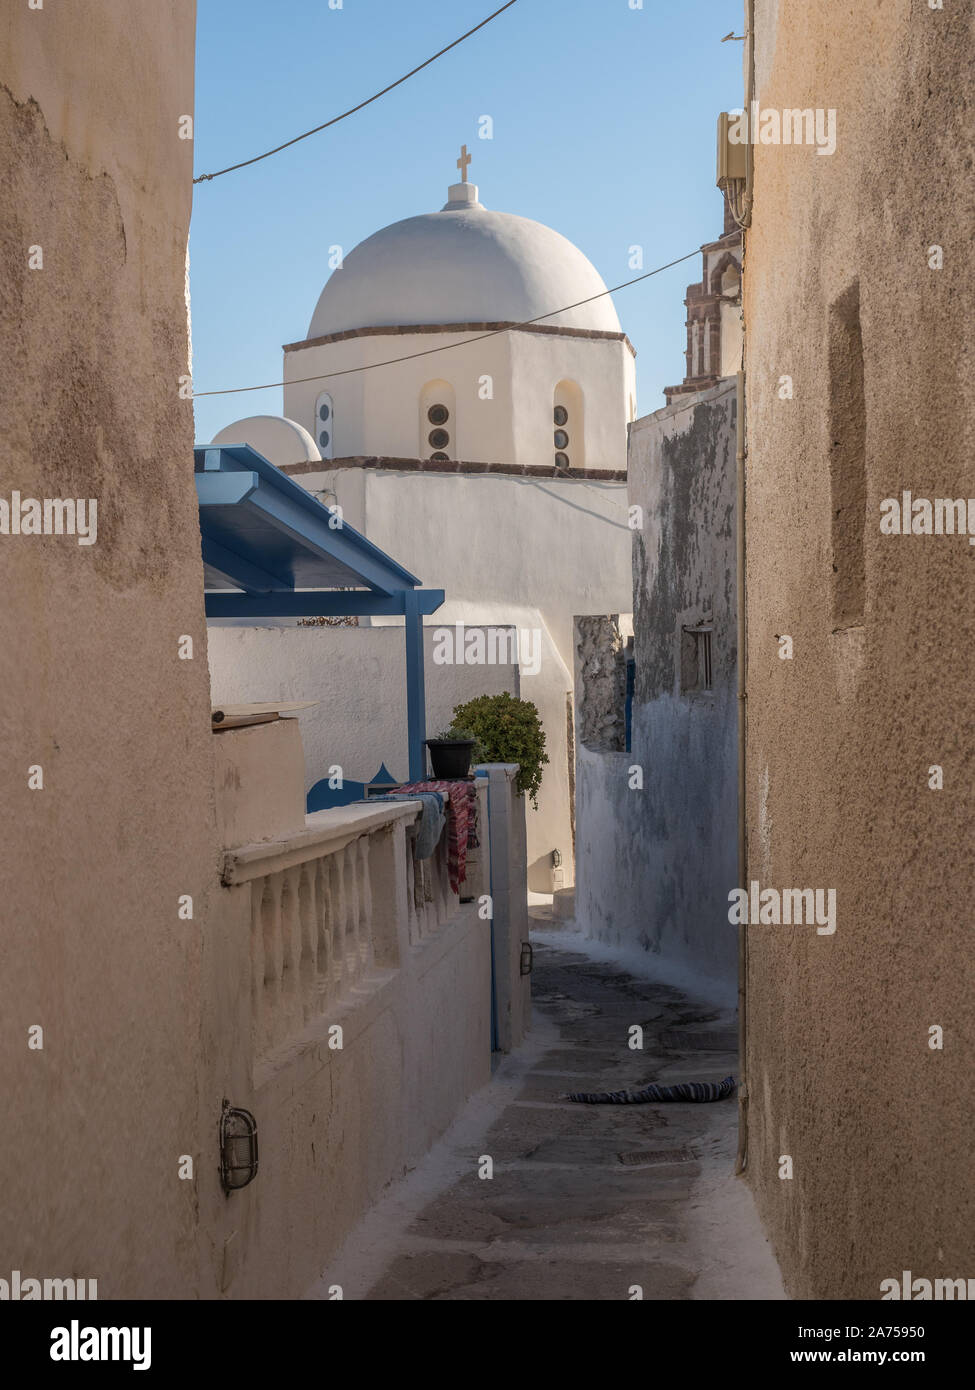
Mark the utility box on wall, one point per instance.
(732, 154)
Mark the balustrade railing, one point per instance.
(330, 905)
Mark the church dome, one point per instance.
(464, 264)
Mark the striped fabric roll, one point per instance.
(686, 1090)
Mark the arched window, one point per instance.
(438, 422)
(568, 433)
(731, 281)
(324, 430)
(726, 277)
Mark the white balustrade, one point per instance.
(332, 904)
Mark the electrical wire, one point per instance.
(447, 347)
(203, 178)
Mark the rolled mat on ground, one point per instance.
(686, 1090)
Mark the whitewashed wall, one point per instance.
(358, 677)
(654, 865)
(556, 544)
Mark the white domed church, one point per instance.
(463, 394)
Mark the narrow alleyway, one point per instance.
(586, 1201)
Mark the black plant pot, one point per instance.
(451, 760)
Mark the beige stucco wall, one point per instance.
(840, 739)
(92, 347)
(259, 776)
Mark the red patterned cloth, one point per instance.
(461, 806)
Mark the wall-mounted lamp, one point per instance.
(238, 1147)
(556, 859)
(527, 956)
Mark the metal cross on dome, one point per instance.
(463, 162)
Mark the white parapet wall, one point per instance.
(352, 1003)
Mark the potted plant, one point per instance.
(451, 753)
(508, 730)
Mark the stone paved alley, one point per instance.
(585, 1202)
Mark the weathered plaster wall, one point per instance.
(92, 346)
(839, 296)
(654, 865)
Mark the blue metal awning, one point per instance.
(270, 549)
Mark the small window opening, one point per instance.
(437, 437)
(695, 657)
(325, 425)
(568, 434)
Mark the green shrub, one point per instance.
(507, 731)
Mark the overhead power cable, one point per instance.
(202, 178)
(447, 347)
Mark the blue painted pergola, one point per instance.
(272, 550)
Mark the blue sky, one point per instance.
(604, 128)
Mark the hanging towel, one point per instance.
(431, 818)
(461, 822)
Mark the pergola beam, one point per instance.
(239, 570)
(321, 603)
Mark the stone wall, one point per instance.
(601, 681)
(840, 297)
